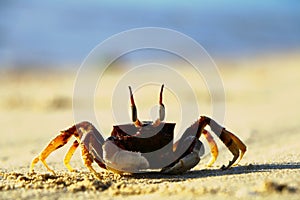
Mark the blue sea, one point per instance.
(54, 33)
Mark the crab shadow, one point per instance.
(196, 174)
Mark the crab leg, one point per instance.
(135, 119)
(232, 142)
(86, 136)
(56, 143)
(70, 154)
(213, 147)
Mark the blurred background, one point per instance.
(255, 45)
(60, 34)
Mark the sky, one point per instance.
(54, 33)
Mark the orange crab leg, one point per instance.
(56, 143)
(235, 145)
(232, 142)
(213, 147)
(92, 138)
(70, 154)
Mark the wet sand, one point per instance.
(262, 108)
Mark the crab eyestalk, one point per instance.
(161, 105)
(161, 108)
(134, 117)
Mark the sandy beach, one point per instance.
(262, 108)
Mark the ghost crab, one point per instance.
(143, 145)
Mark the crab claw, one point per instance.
(121, 160)
(187, 162)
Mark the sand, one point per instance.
(262, 96)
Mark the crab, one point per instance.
(144, 145)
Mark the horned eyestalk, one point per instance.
(161, 105)
(133, 109)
